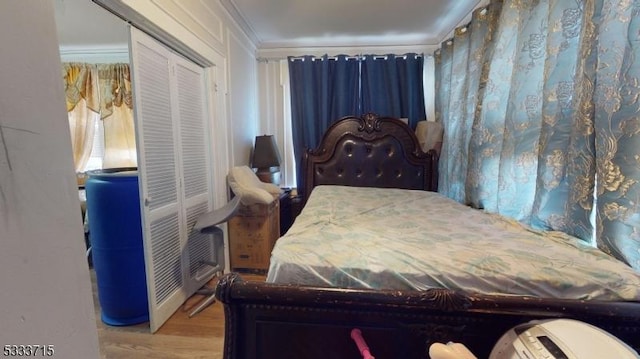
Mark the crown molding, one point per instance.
(284, 52)
(93, 53)
(241, 21)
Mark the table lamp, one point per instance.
(266, 159)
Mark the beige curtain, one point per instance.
(116, 110)
(102, 91)
(82, 124)
(82, 98)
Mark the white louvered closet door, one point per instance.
(196, 172)
(173, 165)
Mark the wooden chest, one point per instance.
(252, 234)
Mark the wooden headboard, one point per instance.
(370, 151)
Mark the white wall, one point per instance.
(46, 290)
(243, 113)
(275, 113)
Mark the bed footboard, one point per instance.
(264, 320)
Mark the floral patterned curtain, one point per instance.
(443, 64)
(116, 109)
(617, 129)
(457, 101)
(83, 105)
(554, 110)
(565, 178)
(102, 90)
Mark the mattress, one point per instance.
(355, 237)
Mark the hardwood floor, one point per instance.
(180, 337)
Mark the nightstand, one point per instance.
(252, 234)
(290, 206)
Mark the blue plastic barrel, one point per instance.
(115, 233)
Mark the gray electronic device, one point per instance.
(560, 339)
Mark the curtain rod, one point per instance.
(464, 28)
(355, 57)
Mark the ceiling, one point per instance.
(327, 23)
(293, 23)
(82, 23)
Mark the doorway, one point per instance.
(111, 45)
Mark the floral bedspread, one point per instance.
(401, 239)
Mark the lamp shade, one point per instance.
(265, 153)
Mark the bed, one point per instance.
(321, 283)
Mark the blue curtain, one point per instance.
(392, 86)
(322, 90)
(326, 89)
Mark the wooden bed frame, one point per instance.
(266, 320)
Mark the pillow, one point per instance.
(245, 184)
(429, 135)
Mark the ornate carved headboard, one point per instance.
(370, 151)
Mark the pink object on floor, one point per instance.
(356, 335)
